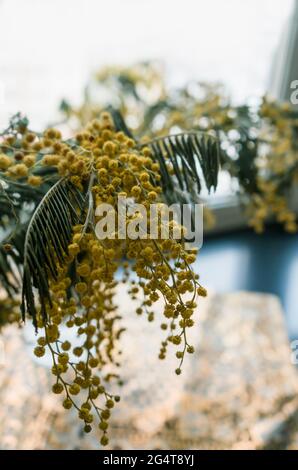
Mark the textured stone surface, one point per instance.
(239, 390)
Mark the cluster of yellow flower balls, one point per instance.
(23, 156)
(278, 167)
(162, 111)
(107, 164)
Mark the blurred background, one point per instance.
(49, 48)
(48, 51)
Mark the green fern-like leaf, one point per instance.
(49, 233)
(194, 158)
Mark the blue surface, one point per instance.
(262, 263)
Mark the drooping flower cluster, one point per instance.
(107, 164)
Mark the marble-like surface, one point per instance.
(239, 390)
